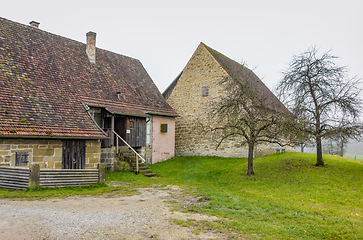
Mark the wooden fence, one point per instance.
(21, 178)
(67, 177)
(14, 178)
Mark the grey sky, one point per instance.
(164, 34)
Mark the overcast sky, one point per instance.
(164, 34)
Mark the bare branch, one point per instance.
(323, 100)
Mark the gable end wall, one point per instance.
(202, 71)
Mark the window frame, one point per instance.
(161, 128)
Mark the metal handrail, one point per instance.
(137, 154)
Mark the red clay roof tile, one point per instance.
(45, 78)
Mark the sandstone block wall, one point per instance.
(47, 153)
(193, 96)
(93, 153)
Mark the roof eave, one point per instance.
(51, 137)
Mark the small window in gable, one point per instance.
(21, 159)
(205, 91)
(163, 128)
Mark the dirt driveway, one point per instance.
(142, 216)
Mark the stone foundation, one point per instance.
(108, 157)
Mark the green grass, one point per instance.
(354, 156)
(287, 198)
(46, 193)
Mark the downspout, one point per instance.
(148, 119)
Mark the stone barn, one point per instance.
(191, 95)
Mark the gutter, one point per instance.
(87, 109)
(49, 137)
(163, 114)
(148, 119)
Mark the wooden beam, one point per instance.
(112, 136)
(137, 164)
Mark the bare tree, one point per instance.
(318, 90)
(245, 114)
(338, 140)
(302, 138)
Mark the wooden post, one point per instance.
(101, 169)
(137, 164)
(116, 145)
(34, 172)
(112, 135)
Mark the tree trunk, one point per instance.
(319, 152)
(302, 148)
(341, 148)
(250, 158)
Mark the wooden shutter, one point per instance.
(21, 159)
(163, 128)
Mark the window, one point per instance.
(131, 125)
(205, 91)
(163, 128)
(21, 159)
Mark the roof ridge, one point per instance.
(212, 51)
(69, 39)
(234, 69)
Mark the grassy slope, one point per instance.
(288, 198)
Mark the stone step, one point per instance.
(150, 174)
(124, 148)
(140, 165)
(129, 154)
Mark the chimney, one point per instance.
(34, 24)
(91, 46)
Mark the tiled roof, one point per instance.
(31, 130)
(45, 78)
(125, 108)
(238, 71)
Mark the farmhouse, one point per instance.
(62, 100)
(195, 89)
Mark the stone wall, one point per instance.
(196, 90)
(47, 153)
(108, 157)
(93, 153)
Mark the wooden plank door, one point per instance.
(73, 154)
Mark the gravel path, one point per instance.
(143, 216)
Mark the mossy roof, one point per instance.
(46, 79)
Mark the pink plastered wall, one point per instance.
(162, 144)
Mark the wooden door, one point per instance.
(136, 131)
(73, 154)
